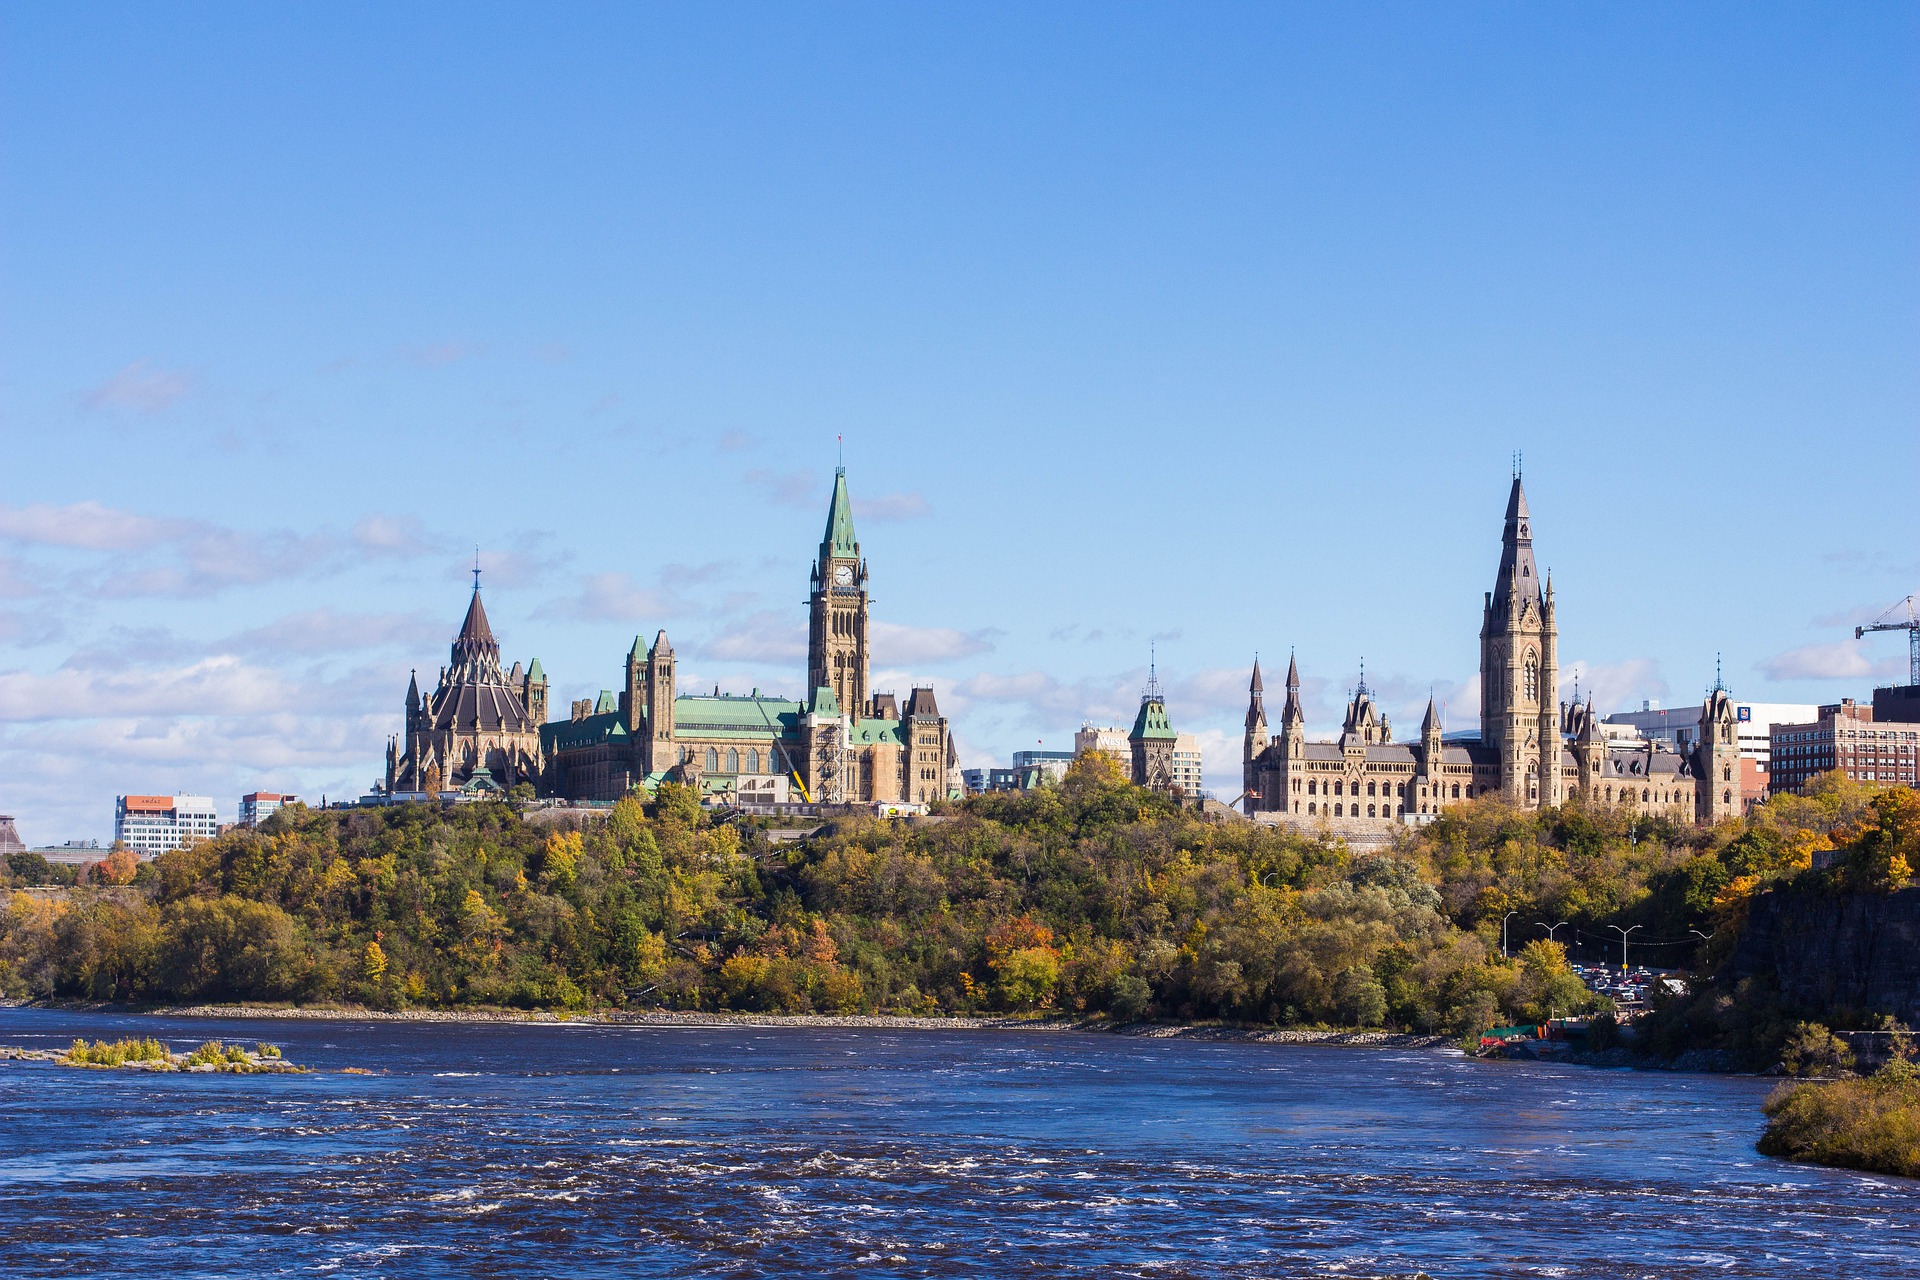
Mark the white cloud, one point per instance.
(141, 387)
(325, 630)
(611, 597)
(391, 535)
(212, 686)
(761, 637)
(894, 642)
(1839, 660)
(788, 488)
(87, 526)
(1615, 686)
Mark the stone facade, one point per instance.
(1532, 750)
(480, 727)
(844, 744)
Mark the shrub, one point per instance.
(1872, 1124)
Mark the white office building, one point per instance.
(1680, 726)
(1111, 740)
(1186, 764)
(151, 825)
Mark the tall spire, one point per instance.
(1255, 687)
(1518, 578)
(1291, 712)
(1430, 723)
(838, 539)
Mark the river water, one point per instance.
(789, 1151)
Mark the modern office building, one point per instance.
(1053, 763)
(256, 805)
(1187, 773)
(1110, 739)
(151, 825)
(1844, 737)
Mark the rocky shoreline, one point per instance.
(869, 1022)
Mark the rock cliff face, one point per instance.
(1829, 952)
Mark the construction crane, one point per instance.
(1911, 626)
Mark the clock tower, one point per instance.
(837, 610)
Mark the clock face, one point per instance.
(843, 576)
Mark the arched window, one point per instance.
(1532, 678)
(1726, 797)
(1726, 773)
(733, 760)
(1643, 795)
(1456, 791)
(753, 760)
(713, 760)
(1338, 811)
(1339, 788)
(1371, 813)
(1313, 786)
(1370, 792)
(1311, 810)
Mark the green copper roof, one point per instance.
(605, 703)
(1152, 721)
(733, 716)
(535, 674)
(824, 702)
(839, 536)
(868, 731)
(565, 735)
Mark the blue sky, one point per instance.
(1206, 327)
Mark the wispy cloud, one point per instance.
(892, 642)
(141, 387)
(889, 508)
(1839, 660)
(437, 355)
(611, 597)
(761, 637)
(153, 556)
(788, 488)
(328, 631)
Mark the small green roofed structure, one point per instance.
(1152, 738)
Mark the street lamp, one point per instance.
(1503, 930)
(1623, 942)
(1704, 937)
(1551, 929)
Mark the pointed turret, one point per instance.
(413, 692)
(1291, 712)
(1430, 723)
(1517, 581)
(838, 539)
(1254, 686)
(476, 654)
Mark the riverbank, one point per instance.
(663, 1018)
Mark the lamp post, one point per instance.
(1551, 929)
(1503, 930)
(1623, 942)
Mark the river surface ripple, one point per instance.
(794, 1151)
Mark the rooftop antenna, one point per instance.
(840, 444)
(1516, 464)
(1153, 671)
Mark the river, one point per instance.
(547, 1150)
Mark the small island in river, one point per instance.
(146, 1054)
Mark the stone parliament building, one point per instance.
(1532, 750)
(844, 744)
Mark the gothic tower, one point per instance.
(661, 753)
(1717, 758)
(1293, 720)
(1256, 739)
(1519, 668)
(837, 621)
